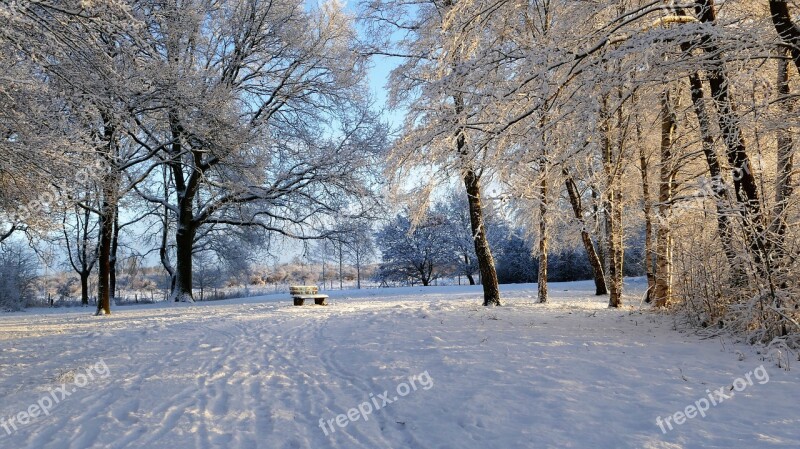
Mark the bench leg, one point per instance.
(320, 302)
(299, 301)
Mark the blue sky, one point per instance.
(378, 81)
(381, 67)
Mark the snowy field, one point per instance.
(413, 367)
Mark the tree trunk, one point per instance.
(85, 287)
(718, 185)
(163, 251)
(786, 28)
(469, 275)
(483, 252)
(491, 288)
(613, 211)
(785, 165)
(662, 292)
(588, 244)
(184, 240)
(104, 259)
(615, 247)
(324, 259)
(108, 210)
(112, 289)
(600, 225)
(186, 190)
(744, 181)
(647, 209)
(543, 249)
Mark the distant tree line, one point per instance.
(439, 245)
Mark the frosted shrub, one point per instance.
(759, 305)
(17, 277)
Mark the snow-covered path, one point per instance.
(260, 373)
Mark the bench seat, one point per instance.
(302, 292)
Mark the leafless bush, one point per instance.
(17, 277)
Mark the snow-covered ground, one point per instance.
(428, 368)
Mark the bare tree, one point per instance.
(440, 101)
(274, 132)
(80, 228)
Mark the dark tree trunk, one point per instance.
(783, 191)
(107, 216)
(164, 253)
(543, 248)
(8, 233)
(718, 185)
(483, 251)
(786, 28)
(469, 275)
(588, 244)
(184, 241)
(104, 259)
(113, 262)
(358, 275)
(186, 189)
(744, 181)
(785, 165)
(491, 288)
(85, 287)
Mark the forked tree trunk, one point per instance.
(86, 259)
(588, 244)
(744, 181)
(186, 188)
(786, 28)
(662, 292)
(719, 186)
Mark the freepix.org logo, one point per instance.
(48, 402)
(713, 398)
(376, 402)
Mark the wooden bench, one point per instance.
(302, 292)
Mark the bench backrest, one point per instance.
(303, 290)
